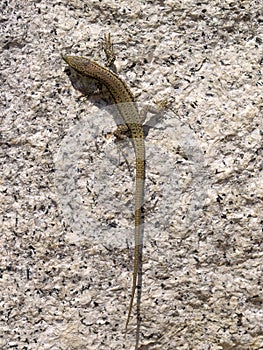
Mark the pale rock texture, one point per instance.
(66, 243)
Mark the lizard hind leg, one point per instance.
(157, 112)
(122, 132)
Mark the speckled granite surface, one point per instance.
(202, 267)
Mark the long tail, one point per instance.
(135, 266)
(139, 197)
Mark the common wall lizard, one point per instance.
(123, 98)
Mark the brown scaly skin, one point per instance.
(124, 100)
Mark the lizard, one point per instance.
(87, 76)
